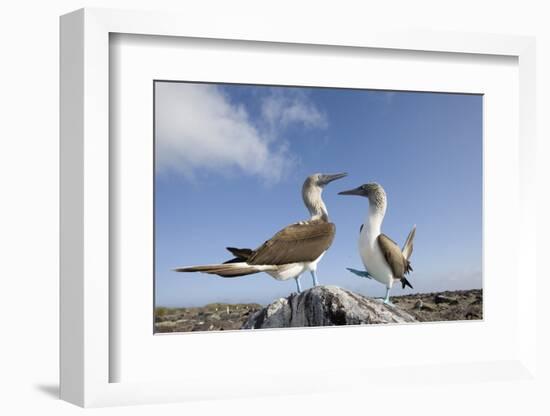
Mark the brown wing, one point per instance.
(408, 246)
(295, 243)
(394, 257)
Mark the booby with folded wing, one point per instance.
(292, 251)
(384, 261)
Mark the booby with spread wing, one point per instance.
(384, 261)
(292, 251)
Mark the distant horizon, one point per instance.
(231, 159)
(265, 304)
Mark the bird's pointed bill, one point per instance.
(354, 191)
(328, 178)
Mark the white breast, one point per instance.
(292, 270)
(373, 259)
(288, 271)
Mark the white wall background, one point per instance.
(29, 192)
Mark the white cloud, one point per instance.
(281, 109)
(198, 127)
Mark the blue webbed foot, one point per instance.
(359, 273)
(384, 301)
(387, 297)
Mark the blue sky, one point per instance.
(231, 160)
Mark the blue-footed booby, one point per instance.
(293, 250)
(384, 261)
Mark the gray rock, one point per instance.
(325, 306)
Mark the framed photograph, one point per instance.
(247, 207)
(232, 160)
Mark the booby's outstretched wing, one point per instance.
(399, 265)
(299, 242)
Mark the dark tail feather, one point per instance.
(223, 270)
(234, 260)
(405, 282)
(241, 253)
(236, 272)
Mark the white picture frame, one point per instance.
(86, 305)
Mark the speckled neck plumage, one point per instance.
(376, 213)
(313, 201)
(378, 201)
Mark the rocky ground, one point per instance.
(424, 307)
(457, 305)
(212, 317)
